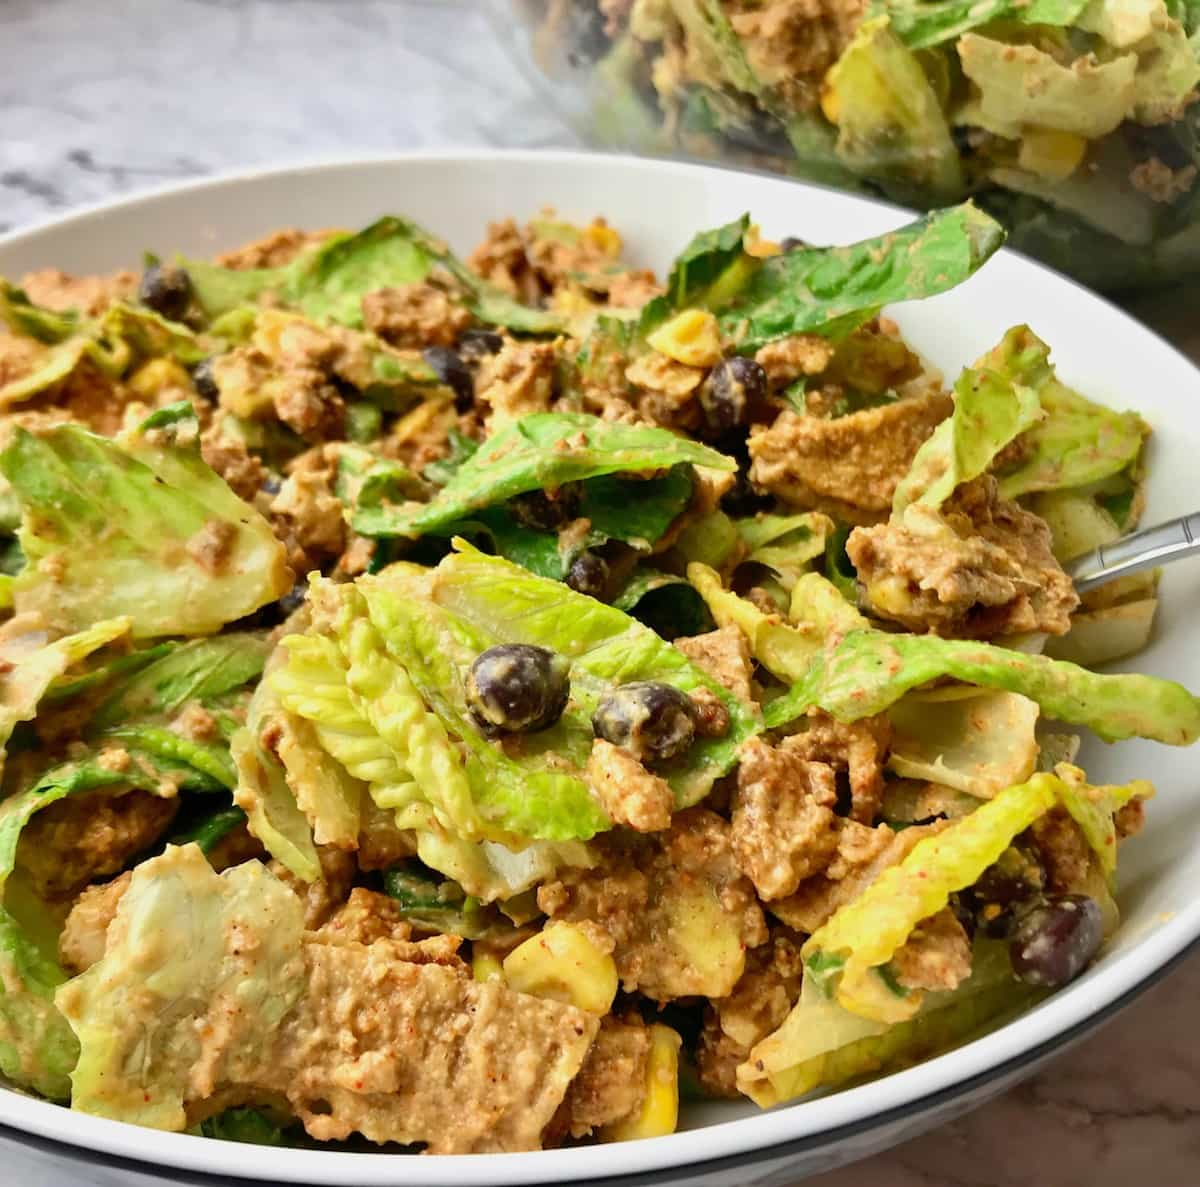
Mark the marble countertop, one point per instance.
(102, 99)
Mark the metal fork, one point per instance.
(1147, 549)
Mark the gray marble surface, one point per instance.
(103, 97)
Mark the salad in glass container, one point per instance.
(1072, 121)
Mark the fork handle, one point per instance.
(1147, 549)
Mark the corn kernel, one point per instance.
(158, 375)
(659, 1114)
(563, 963)
(691, 337)
(486, 966)
(603, 237)
(831, 107)
(757, 246)
(891, 595)
(1050, 153)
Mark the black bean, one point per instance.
(1004, 889)
(650, 719)
(166, 290)
(728, 392)
(589, 575)
(204, 381)
(454, 373)
(546, 512)
(1056, 940)
(791, 243)
(741, 499)
(517, 688)
(478, 344)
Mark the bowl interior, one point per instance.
(657, 206)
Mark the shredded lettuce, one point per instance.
(1077, 443)
(140, 526)
(921, 24)
(786, 544)
(188, 951)
(1092, 808)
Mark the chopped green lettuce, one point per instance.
(264, 794)
(785, 544)
(330, 281)
(833, 290)
(844, 956)
(1022, 85)
(866, 671)
(199, 670)
(636, 511)
(37, 1048)
(994, 402)
(921, 24)
(822, 1045)
(1076, 444)
(496, 602)
(112, 343)
(209, 828)
(1093, 808)
(33, 665)
(139, 526)
(891, 126)
(669, 605)
(545, 450)
(242, 1125)
(188, 951)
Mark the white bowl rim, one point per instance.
(1101, 992)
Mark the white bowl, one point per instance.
(657, 206)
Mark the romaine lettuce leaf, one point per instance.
(1092, 808)
(708, 270)
(498, 602)
(37, 1048)
(921, 24)
(786, 544)
(833, 290)
(188, 951)
(199, 670)
(113, 342)
(546, 450)
(1021, 84)
(994, 402)
(33, 665)
(822, 1045)
(242, 1125)
(263, 792)
(638, 512)
(330, 281)
(670, 606)
(891, 126)
(844, 956)
(866, 671)
(1077, 443)
(181, 553)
